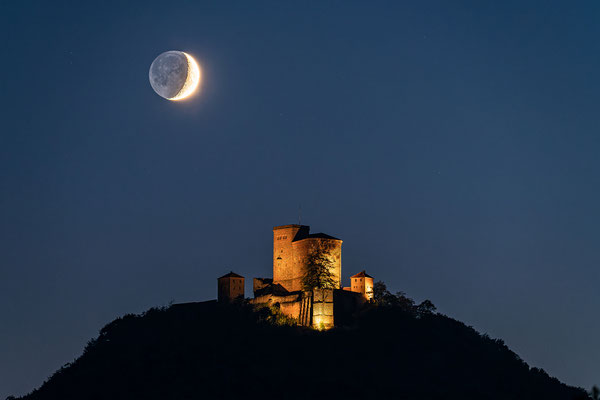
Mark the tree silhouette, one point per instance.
(379, 292)
(382, 297)
(595, 393)
(425, 308)
(318, 268)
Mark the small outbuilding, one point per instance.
(230, 287)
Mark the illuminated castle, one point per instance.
(292, 245)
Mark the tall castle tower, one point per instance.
(291, 246)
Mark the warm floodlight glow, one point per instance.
(191, 81)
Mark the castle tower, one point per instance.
(362, 283)
(292, 245)
(284, 265)
(230, 287)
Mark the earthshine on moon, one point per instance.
(174, 75)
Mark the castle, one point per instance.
(322, 308)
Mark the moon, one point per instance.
(174, 75)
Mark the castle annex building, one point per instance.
(293, 245)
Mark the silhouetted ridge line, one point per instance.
(216, 350)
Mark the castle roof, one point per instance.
(303, 233)
(362, 274)
(274, 289)
(322, 236)
(315, 236)
(231, 275)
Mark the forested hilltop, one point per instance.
(209, 350)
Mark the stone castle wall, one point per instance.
(291, 246)
(284, 266)
(363, 285)
(230, 288)
(322, 314)
(301, 250)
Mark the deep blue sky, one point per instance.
(453, 146)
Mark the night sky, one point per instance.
(453, 146)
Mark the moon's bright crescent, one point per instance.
(191, 81)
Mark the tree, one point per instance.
(426, 308)
(403, 302)
(318, 268)
(595, 393)
(319, 273)
(383, 297)
(379, 292)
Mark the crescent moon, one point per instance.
(191, 81)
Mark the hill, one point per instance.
(224, 351)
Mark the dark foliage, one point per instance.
(222, 351)
(383, 298)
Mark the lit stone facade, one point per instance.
(292, 245)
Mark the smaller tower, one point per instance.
(230, 287)
(362, 283)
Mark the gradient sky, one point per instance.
(453, 146)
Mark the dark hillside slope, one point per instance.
(215, 351)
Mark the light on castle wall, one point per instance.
(319, 323)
